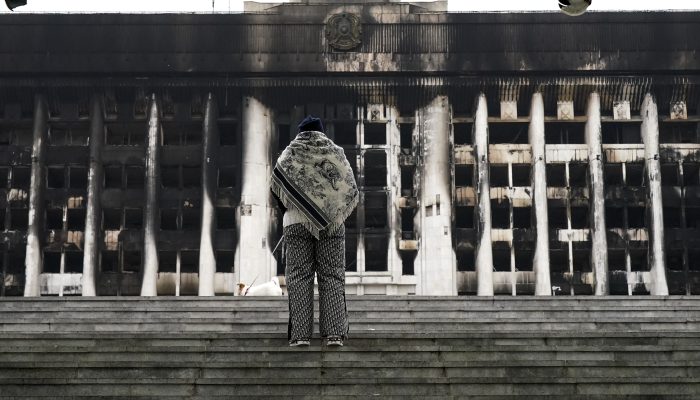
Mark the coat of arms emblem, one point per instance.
(343, 31)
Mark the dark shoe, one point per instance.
(334, 341)
(300, 343)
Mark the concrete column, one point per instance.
(254, 260)
(150, 212)
(207, 259)
(436, 270)
(484, 252)
(543, 285)
(394, 169)
(93, 213)
(35, 229)
(650, 137)
(599, 242)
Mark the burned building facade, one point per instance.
(506, 154)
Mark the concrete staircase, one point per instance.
(399, 347)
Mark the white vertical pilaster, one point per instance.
(650, 137)
(436, 255)
(254, 260)
(93, 214)
(151, 209)
(599, 242)
(210, 141)
(35, 227)
(394, 172)
(484, 251)
(543, 285)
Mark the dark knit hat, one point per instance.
(311, 123)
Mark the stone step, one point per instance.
(362, 388)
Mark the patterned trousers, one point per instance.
(325, 257)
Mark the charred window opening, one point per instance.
(694, 260)
(556, 175)
(19, 219)
(406, 137)
(109, 261)
(78, 177)
(189, 261)
(691, 174)
(192, 135)
(52, 262)
(21, 177)
(375, 133)
(565, 133)
(614, 217)
(376, 212)
(674, 259)
(76, 219)
(225, 260)
(692, 217)
(613, 174)
(521, 175)
(191, 219)
(638, 259)
(351, 252)
(678, 132)
(16, 259)
(465, 260)
(582, 257)
(635, 174)
(556, 215)
(522, 217)
(132, 261)
(228, 134)
(225, 218)
(80, 136)
(375, 168)
(464, 175)
(73, 262)
(58, 136)
(4, 173)
(407, 219)
(408, 259)
(577, 175)
(54, 218)
(559, 258)
(621, 133)
(672, 217)
(168, 220)
(579, 217)
(167, 261)
(407, 181)
(284, 136)
(351, 220)
(501, 259)
(170, 177)
(670, 175)
(227, 177)
(55, 178)
(125, 134)
(464, 217)
(191, 177)
(500, 215)
(113, 176)
(133, 218)
(523, 256)
(111, 219)
(345, 133)
(134, 177)
(463, 133)
(635, 217)
(498, 175)
(376, 252)
(508, 132)
(2, 221)
(617, 260)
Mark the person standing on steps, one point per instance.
(314, 185)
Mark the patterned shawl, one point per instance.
(313, 176)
